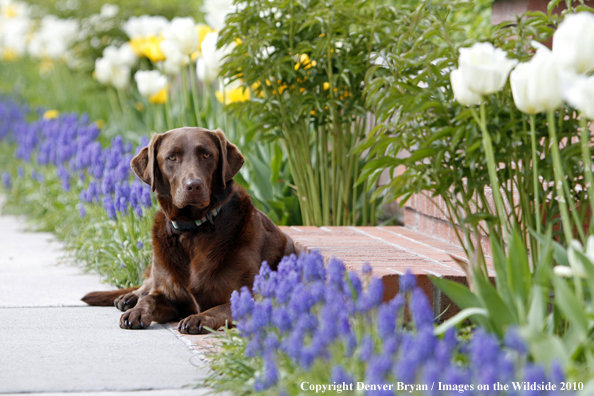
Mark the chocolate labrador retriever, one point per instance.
(208, 238)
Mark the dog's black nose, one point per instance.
(194, 185)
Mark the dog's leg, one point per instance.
(153, 307)
(213, 318)
(160, 306)
(129, 300)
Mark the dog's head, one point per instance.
(188, 164)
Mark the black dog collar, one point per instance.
(191, 225)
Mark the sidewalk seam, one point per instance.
(188, 343)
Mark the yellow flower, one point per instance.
(202, 30)
(10, 11)
(50, 114)
(139, 107)
(100, 124)
(326, 86)
(239, 94)
(301, 90)
(305, 62)
(9, 55)
(195, 55)
(160, 97)
(150, 49)
(136, 44)
(313, 112)
(255, 87)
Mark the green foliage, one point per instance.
(421, 127)
(306, 74)
(60, 88)
(554, 315)
(84, 8)
(109, 247)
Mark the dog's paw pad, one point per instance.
(196, 324)
(125, 302)
(135, 319)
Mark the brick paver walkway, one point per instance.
(390, 251)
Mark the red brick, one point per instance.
(410, 218)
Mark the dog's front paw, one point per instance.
(126, 301)
(196, 324)
(136, 318)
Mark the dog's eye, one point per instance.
(172, 158)
(206, 155)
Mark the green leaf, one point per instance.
(500, 314)
(462, 297)
(459, 318)
(569, 305)
(545, 348)
(518, 270)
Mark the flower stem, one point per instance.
(488, 147)
(558, 172)
(587, 158)
(535, 172)
(194, 89)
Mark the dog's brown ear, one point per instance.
(230, 161)
(145, 163)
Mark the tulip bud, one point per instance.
(536, 84)
(484, 68)
(461, 93)
(181, 33)
(208, 67)
(573, 42)
(581, 96)
(150, 82)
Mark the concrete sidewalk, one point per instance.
(51, 342)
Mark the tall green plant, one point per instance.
(305, 63)
(442, 148)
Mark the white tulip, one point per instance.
(212, 57)
(112, 71)
(14, 9)
(563, 271)
(216, 11)
(150, 82)
(580, 95)
(484, 68)
(590, 248)
(103, 70)
(519, 85)
(573, 42)
(109, 10)
(54, 37)
(13, 34)
(145, 26)
(182, 33)
(120, 78)
(174, 61)
(122, 56)
(536, 85)
(461, 92)
(204, 73)
(127, 55)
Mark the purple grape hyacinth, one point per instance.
(69, 142)
(323, 320)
